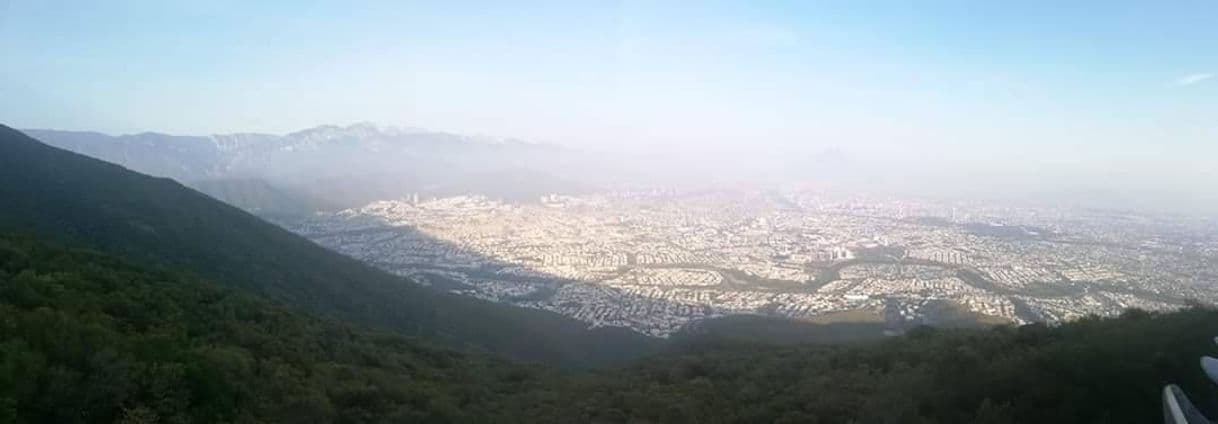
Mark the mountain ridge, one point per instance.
(159, 222)
(329, 162)
(298, 139)
(59, 351)
(88, 337)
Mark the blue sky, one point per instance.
(1051, 81)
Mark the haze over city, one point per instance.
(1109, 101)
(623, 211)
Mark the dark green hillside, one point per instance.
(750, 330)
(1091, 371)
(259, 197)
(157, 222)
(86, 337)
(164, 327)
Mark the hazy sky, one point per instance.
(1103, 86)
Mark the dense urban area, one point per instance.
(657, 260)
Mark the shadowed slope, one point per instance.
(87, 337)
(156, 221)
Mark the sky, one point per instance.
(1104, 92)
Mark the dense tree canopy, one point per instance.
(156, 222)
(88, 338)
(198, 312)
(1090, 371)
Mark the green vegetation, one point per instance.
(79, 201)
(86, 337)
(1090, 371)
(754, 331)
(198, 312)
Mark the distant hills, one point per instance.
(319, 152)
(350, 166)
(133, 299)
(338, 166)
(81, 201)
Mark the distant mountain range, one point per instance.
(81, 201)
(129, 298)
(339, 166)
(319, 152)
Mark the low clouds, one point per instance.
(1192, 79)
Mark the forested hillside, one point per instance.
(157, 222)
(1090, 371)
(133, 299)
(86, 337)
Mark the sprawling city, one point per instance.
(609, 212)
(656, 260)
